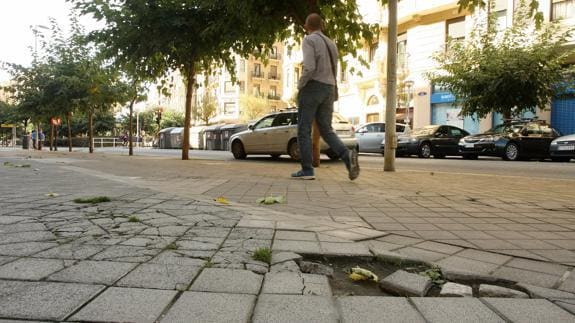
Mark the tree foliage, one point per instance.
(206, 108)
(253, 107)
(509, 72)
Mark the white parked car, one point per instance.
(276, 135)
(371, 135)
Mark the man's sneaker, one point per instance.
(300, 175)
(353, 168)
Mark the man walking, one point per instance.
(317, 91)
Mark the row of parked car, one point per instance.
(511, 140)
(276, 134)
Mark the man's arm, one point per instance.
(308, 62)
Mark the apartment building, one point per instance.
(423, 28)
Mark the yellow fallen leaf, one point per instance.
(222, 200)
(52, 194)
(357, 277)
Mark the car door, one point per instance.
(282, 130)
(532, 141)
(256, 141)
(547, 136)
(455, 134)
(370, 136)
(440, 141)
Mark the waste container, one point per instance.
(164, 140)
(176, 136)
(228, 131)
(197, 140)
(26, 142)
(213, 137)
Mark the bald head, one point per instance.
(313, 22)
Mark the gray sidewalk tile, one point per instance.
(421, 254)
(455, 310)
(539, 266)
(294, 308)
(71, 251)
(25, 248)
(95, 272)
(126, 254)
(295, 235)
(438, 247)
(219, 280)
(305, 247)
(42, 300)
(160, 276)
(468, 265)
(126, 305)
(530, 310)
(347, 249)
(549, 293)
(211, 307)
(377, 309)
(479, 255)
(316, 285)
(4, 260)
(283, 283)
(183, 257)
(524, 276)
(32, 268)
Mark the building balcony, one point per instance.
(275, 56)
(273, 96)
(257, 74)
(274, 77)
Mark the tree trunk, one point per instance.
(51, 135)
(391, 99)
(190, 79)
(91, 130)
(69, 121)
(130, 128)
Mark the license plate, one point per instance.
(469, 145)
(569, 147)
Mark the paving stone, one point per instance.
(31, 269)
(316, 285)
(529, 277)
(438, 247)
(278, 257)
(406, 284)
(249, 233)
(377, 309)
(455, 290)
(464, 264)
(530, 310)
(27, 236)
(209, 232)
(160, 276)
(211, 307)
(566, 304)
(43, 300)
(422, 254)
(168, 230)
(98, 272)
(220, 280)
(541, 292)
(126, 305)
(294, 308)
(539, 266)
(451, 309)
(4, 260)
(249, 245)
(497, 291)
(310, 267)
(568, 285)
(25, 248)
(345, 249)
(376, 246)
(296, 235)
(200, 243)
(283, 283)
(304, 247)
(401, 240)
(71, 251)
(290, 266)
(183, 257)
(126, 254)
(484, 256)
(148, 241)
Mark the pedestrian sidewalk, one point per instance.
(164, 250)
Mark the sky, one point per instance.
(16, 19)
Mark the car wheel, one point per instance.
(238, 150)
(275, 156)
(511, 152)
(470, 156)
(424, 150)
(332, 155)
(561, 159)
(293, 150)
(439, 156)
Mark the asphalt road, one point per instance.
(483, 166)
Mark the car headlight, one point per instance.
(413, 139)
(461, 141)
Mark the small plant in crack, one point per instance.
(263, 254)
(208, 264)
(92, 200)
(171, 246)
(134, 218)
(434, 274)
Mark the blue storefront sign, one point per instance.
(442, 97)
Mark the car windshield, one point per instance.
(505, 128)
(429, 130)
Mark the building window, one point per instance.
(402, 52)
(242, 86)
(242, 65)
(274, 53)
(273, 90)
(373, 100)
(455, 31)
(229, 87)
(229, 108)
(562, 9)
(372, 49)
(500, 9)
(256, 90)
(273, 72)
(257, 70)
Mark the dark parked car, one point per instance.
(511, 140)
(562, 149)
(436, 140)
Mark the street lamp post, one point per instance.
(409, 86)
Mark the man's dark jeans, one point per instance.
(315, 100)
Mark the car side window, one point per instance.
(265, 122)
(546, 130)
(455, 132)
(372, 128)
(399, 128)
(442, 132)
(283, 120)
(531, 129)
